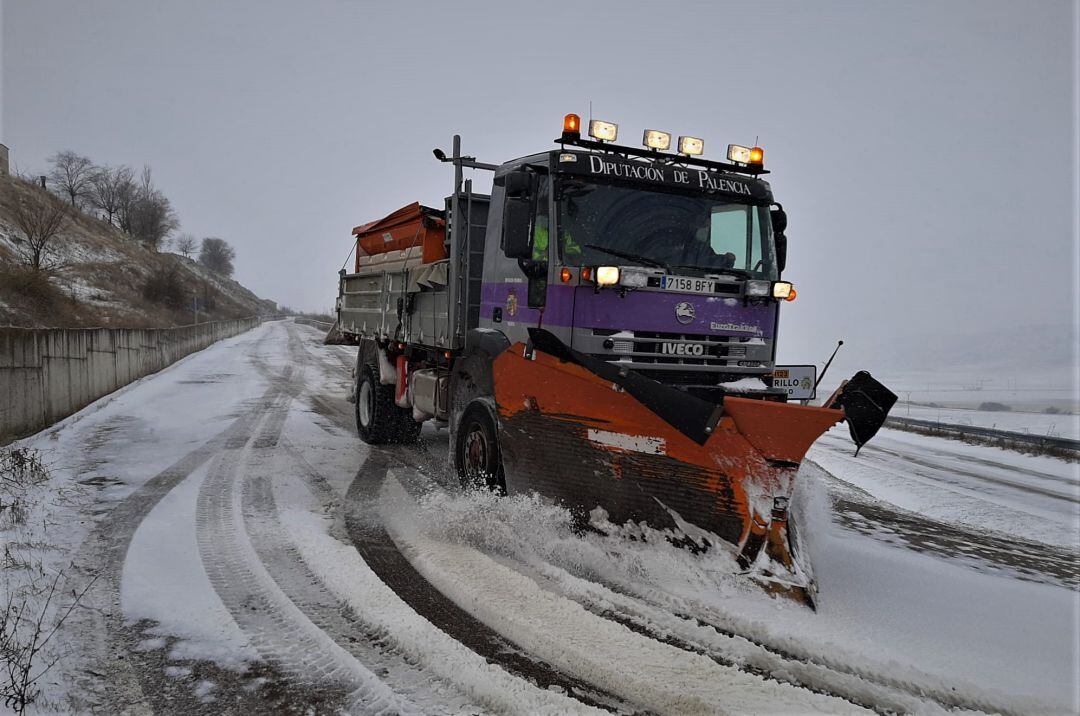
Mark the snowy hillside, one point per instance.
(107, 279)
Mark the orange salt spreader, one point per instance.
(409, 227)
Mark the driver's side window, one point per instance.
(540, 238)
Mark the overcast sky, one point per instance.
(925, 152)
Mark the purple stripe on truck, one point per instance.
(583, 307)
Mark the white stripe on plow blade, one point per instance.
(636, 443)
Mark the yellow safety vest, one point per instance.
(540, 244)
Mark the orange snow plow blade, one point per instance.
(585, 439)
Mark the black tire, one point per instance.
(476, 452)
(378, 420)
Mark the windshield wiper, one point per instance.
(741, 273)
(629, 256)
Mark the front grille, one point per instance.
(665, 351)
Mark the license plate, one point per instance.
(686, 284)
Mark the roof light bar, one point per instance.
(738, 153)
(603, 131)
(655, 139)
(691, 146)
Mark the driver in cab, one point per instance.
(699, 252)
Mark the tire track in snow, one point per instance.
(283, 563)
(733, 644)
(115, 673)
(103, 553)
(378, 550)
(660, 677)
(281, 633)
(306, 590)
(726, 646)
(875, 686)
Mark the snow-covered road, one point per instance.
(251, 554)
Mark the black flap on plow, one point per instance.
(693, 417)
(866, 403)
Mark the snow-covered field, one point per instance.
(251, 554)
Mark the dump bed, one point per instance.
(412, 226)
(411, 274)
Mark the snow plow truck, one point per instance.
(602, 329)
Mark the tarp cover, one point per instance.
(412, 225)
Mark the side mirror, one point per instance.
(778, 217)
(515, 228)
(518, 184)
(781, 252)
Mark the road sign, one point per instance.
(798, 380)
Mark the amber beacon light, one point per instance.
(571, 126)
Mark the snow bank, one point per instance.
(988, 488)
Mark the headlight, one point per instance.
(757, 288)
(607, 275)
(633, 278)
(783, 290)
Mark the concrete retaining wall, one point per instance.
(48, 374)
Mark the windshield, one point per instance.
(605, 224)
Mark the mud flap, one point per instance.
(866, 404)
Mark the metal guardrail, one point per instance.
(313, 322)
(1007, 436)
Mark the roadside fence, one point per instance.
(1061, 447)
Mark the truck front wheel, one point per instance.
(476, 452)
(378, 419)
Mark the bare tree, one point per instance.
(151, 217)
(186, 244)
(217, 255)
(41, 218)
(73, 175)
(107, 189)
(127, 194)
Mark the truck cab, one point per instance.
(660, 267)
